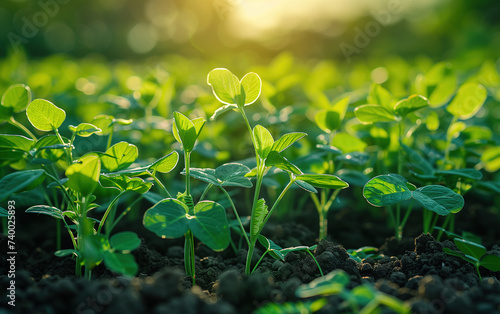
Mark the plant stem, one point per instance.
(15, 123)
(236, 214)
(125, 212)
(316, 261)
(276, 204)
(252, 222)
(68, 154)
(153, 175)
(111, 205)
(189, 255)
(187, 165)
(110, 137)
(258, 262)
(448, 145)
(445, 224)
(202, 197)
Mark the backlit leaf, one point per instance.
(46, 210)
(44, 115)
(373, 113)
(184, 131)
(19, 181)
(327, 181)
(260, 214)
(263, 141)
(83, 175)
(286, 141)
(469, 99)
(410, 104)
(167, 218)
(386, 190)
(119, 156)
(16, 97)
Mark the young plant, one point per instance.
(360, 299)
(475, 254)
(392, 189)
(173, 218)
(236, 94)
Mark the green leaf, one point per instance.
(386, 190)
(209, 225)
(348, 143)
(62, 253)
(19, 181)
(301, 248)
(331, 284)
(222, 110)
(417, 161)
(286, 141)
(44, 115)
(198, 125)
(46, 210)
(125, 241)
(373, 113)
(124, 183)
(252, 85)
(84, 174)
(166, 163)
(204, 174)
(491, 262)
(16, 142)
(353, 177)
(469, 99)
(271, 247)
(328, 120)
(439, 199)
(167, 219)
(491, 158)
(468, 173)
(84, 129)
(43, 148)
(455, 129)
(3, 212)
(233, 174)
(380, 96)
(119, 156)
(470, 248)
(410, 104)
(306, 186)
(275, 159)
(327, 181)
(259, 216)
(104, 123)
(263, 141)
(228, 90)
(17, 97)
(184, 131)
(432, 121)
(443, 91)
(121, 263)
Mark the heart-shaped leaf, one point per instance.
(386, 190)
(83, 175)
(119, 156)
(184, 131)
(439, 199)
(125, 241)
(167, 219)
(16, 97)
(252, 85)
(373, 113)
(46, 210)
(410, 104)
(209, 225)
(327, 181)
(44, 115)
(19, 181)
(263, 141)
(469, 99)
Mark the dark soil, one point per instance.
(415, 270)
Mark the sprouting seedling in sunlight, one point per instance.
(173, 218)
(236, 94)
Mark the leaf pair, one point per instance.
(232, 92)
(387, 190)
(187, 131)
(330, 119)
(171, 218)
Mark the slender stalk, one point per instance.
(445, 224)
(187, 165)
(252, 222)
(236, 214)
(110, 137)
(316, 261)
(323, 225)
(153, 175)
(15, 123)
(405, 218)
(209, 186)
(260, 260)
(111, 205)
(68, 154)
(276, 204)
(189, 255)
(125, 212)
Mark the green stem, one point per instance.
(323, 225)
(236, 214)
(189, 255)
(405, 218)
(15, 123)
(252, 222)
(68, 154)
(275, 205)
(110, 207)
(125, 212)
(187, 165)
(153, 175)
(258, 262)
(317, 264)
(202, 197)
(445, 224)
(110, 137)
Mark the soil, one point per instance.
(415, 270)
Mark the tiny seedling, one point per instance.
(360, 299)
(475, 254)
(173, 218)
(236, 94)
(391, 189)
(364, 252)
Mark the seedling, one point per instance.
(173, 218)
(361, 299)
(475, 254)
(364, 252)
(391, 189)
(236, 94)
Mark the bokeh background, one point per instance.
(260, 29)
